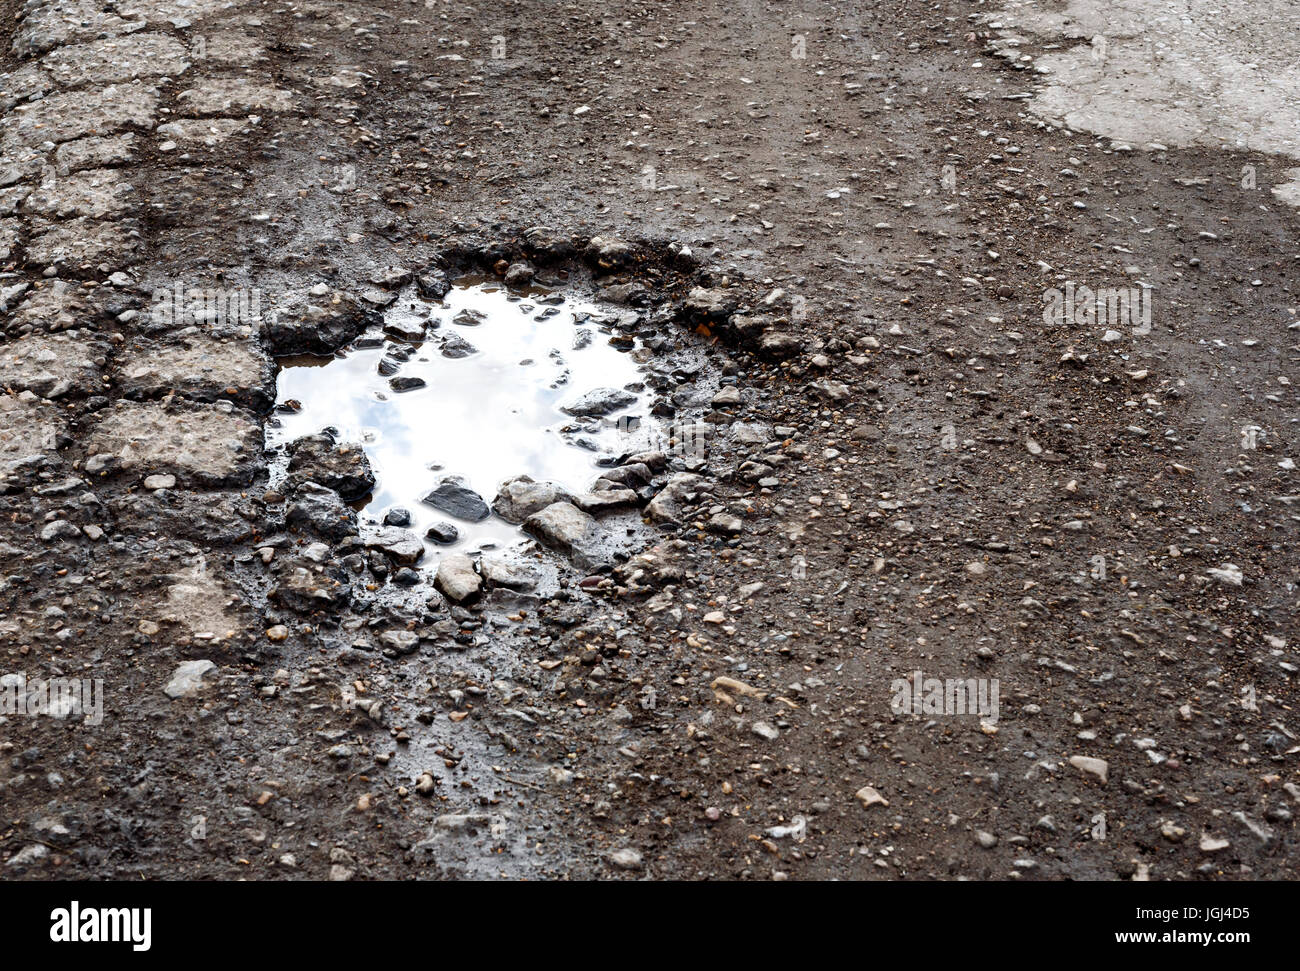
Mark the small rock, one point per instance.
(1095, 767)
(870, 797)
(725, 524)
(406, 383)
(519, 275)
(60, 529)
(1261, 831)
(502, 572)
(666, 507)
(406, 329)
(1212, 844)
(1229, 574)
(602, 401)
(400, 545)
(188, 680)
(605, 500)
(626, 859)
(456, 578)
(28, 854)
(444, 533)
(397, 516)
(457, 499)
(340, 466)
(520, 497)
(566, 528)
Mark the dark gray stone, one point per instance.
(458, 500)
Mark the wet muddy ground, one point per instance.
(825, 235)
(449, 400)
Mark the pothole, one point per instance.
(450, 400)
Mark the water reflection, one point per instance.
(485, 417)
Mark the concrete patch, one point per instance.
(202, 368)
(48, 25)
(63, 117)
(49, 365)
(23, 83)
(51, 307)
(177, 13)
(117, 59)
(28, 433)
(23, 169)
(1289, 192)
(9, 236)
(233, 47)
(212, 519)
(198, 602)
(1177, 74)
(11, 199)
(200, 445)
(98, 193)
(95, 153)
(78, 242)
(223, 95)
(203, 131)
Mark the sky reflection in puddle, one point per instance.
(485, 417)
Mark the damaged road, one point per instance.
(842, 237)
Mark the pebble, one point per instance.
(456, 499)
(626, 859)
(456, 578)
(725, 523)
(729, 395)
(400, 641)
(1212, 844)
(870, 797)
(397, 516)
(189, 679)
(1094, 767)
(1229, 574)
(442, 532)
(60, 529)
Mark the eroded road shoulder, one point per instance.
(967, 549)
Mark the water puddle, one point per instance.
(468, 393)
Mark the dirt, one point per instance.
(922, 471)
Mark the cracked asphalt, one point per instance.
(838, 229)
